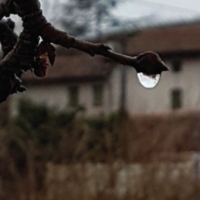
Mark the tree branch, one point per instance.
(7, 37)
(26, 54)
(62, 39)
(6, 8)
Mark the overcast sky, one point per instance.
(170, 9)
(161, 11)
(137, 8)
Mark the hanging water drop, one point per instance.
(148, 81)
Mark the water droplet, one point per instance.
(148, 81)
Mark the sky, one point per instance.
(154, 12)
(139, 8)
(160, 9)
(146, 11)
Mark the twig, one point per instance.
(7, 37)
(62, 39)
(24, 55)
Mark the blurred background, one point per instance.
(89, 130)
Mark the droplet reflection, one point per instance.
(148, 81)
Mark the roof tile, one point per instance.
(166, 39)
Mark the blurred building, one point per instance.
(102, 86)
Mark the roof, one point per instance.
(75, 67)
(181, 38)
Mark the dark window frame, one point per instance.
(176, 98)
(98, 94)
(73, 92)
(176, 66)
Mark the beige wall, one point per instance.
(141, 100)
(52, 96)
(57, 96)
(138, 99)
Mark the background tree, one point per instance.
(78, 17)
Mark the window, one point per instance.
(73, 96)
(176, 66)
(98, 95)
(176, 98)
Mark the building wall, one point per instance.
(138, 100)
(141, 100)
(52, 95)
(113, 90)
(57, 96)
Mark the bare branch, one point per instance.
(6, 8)
(7, 37)
(24, 55)
(51, 34)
